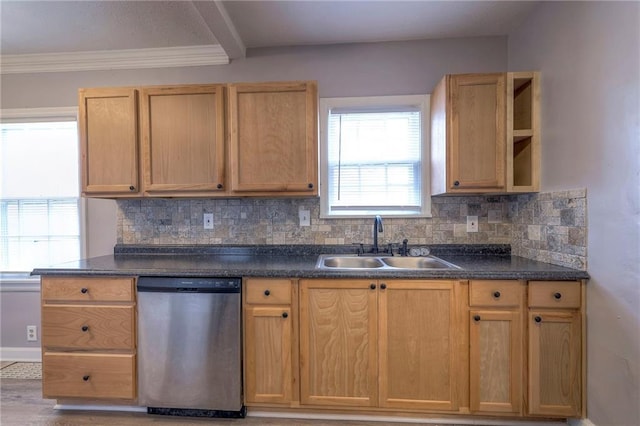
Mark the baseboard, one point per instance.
(21, 354)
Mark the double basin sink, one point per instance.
(368, 262)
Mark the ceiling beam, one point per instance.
(217, 19)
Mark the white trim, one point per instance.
(392, 419)
(127, 408)
(21, 354)
(166, 57)
(46, 114)
(20, 285)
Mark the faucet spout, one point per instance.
(377, 227)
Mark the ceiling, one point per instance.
(40, 27)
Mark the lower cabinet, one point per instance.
(88, 338)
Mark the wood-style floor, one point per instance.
(21, 404)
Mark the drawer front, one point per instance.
(88, 327)
(88, 375)
(268, 292)
(498, 293)
(554, 294)
(96, 289)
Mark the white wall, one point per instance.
(589, 55)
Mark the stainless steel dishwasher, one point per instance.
(189, 346)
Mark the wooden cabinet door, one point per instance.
(338, 345)
(555, 363)
(268, 337)
(476, 149)
(183, 139)
(274, 137)
(495, 361)
(108, 127)
(420, 345)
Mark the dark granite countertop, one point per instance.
(475, 261)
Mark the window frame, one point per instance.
(39, 115)
(421, 101)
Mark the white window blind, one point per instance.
(374, 159)
(39, 198)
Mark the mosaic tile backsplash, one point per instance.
(550, 227)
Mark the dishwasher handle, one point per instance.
(188, 285)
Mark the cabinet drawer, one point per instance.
(268, 292)
(88, 327)
(495, 293)
(88, 375)
(554, 294)
(98, 289)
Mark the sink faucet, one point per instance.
(377, 227)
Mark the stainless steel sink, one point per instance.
(353, 262)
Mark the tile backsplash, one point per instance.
(550, 227)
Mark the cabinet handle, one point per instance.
(496, 294)
(285, 315)
(85, 328)
(132, 188)
(219, 186)
(383, 286)
(372, 286)
(476, 318)
(85, 378)
(267, 292)
(558, 296)
(84, 290)
(538, 319)
(310, 186)
(456, 183)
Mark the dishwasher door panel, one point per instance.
(189, 350)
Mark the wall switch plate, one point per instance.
(495, 216)
(32, 333)
(305, 217)
(472, 223)
(208, 221)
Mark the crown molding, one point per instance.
(186, 56)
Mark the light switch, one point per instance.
(208, 221)
(305, 217)
(472, 223)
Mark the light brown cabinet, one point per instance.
(88, 338)
(555, 349)
(270, 344)
(109, 150)
(496, 345)
(485, 133)
(273, 144)
(393, 344)
(210, 140)
(183, 139)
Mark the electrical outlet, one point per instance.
(305, 217)
(472, 223)
(208, 221)
(32, 333)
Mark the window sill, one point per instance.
(19, 282)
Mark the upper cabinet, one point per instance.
(480, 125)
(273, 143)
(183, 139)
(194, 141)
(109, 142)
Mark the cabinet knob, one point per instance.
(476, 318)
(496, 294)
(310, 186)
(84, 290)
(456, 183)
(557, 295)
(285, 315)
(132, 188)
(85, 328)
(383, 286)
(219, 186)
(538, 319)
(85, 378)
(267, 292)
(372, 286)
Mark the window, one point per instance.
(375, 156)
(40, 209)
